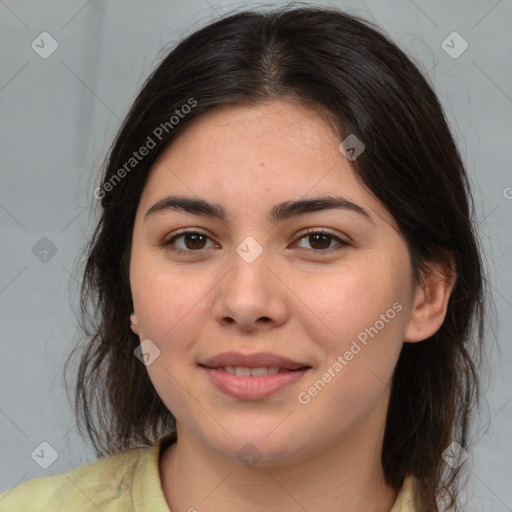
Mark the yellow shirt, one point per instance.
(128, 481)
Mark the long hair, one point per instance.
(345, 66)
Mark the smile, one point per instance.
(242, 371)
(253, 383)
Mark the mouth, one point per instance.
(245, 371)
(252, 376)
(232, 362)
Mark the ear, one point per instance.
(133, 323)
(430, 302)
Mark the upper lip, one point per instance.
(258, 360)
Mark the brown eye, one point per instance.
(188, 241)
(194, 241)
(321, 240)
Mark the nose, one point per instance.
(250, 296)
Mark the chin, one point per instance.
(253, 446)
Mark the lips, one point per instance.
(259, 360)
(252, 376)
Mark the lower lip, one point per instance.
(253, 388)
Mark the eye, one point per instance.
(321, 240)
(188, 241)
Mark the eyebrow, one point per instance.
(279, 212)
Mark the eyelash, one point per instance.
(168, 243)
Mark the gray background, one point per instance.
(58, 117)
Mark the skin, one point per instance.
(296, 300)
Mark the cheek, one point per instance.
(166, 298)
(162, 318)
(364, 314)
(171, 314)
(361, 349)
(354, 297)
(172, 308)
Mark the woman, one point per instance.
(283, 297)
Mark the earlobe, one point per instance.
(133, 324)
(430, 303)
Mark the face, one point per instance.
(320, 290)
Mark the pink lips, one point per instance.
(253, 387)
(259, 360)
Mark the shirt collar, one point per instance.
(147, 491)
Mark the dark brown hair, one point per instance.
(343, 65)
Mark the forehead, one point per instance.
(250, 155)
(258, 132)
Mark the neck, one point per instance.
(347, 477)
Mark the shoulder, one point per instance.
(93, 486)
(405, 498)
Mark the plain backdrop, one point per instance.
(59, 115)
